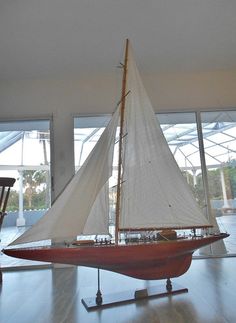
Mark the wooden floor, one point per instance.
(54, 295)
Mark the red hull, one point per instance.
(157, 260)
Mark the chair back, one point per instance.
(5, 185)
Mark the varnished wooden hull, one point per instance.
(157, 260)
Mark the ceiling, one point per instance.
(58, 38)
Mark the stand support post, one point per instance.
(168, 285)
(92, 303)
(99, 294)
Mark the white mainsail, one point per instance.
(83, 196)
(154, 192)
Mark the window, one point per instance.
(180, 131)
(219, 137)
(183, 133)
(25, 155)
(87, 131)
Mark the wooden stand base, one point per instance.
(91, 303)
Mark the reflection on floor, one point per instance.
(226, 223)
(8, 235)
(54, 296)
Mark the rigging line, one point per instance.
(121, 65)
(122, 98)
(118, 140)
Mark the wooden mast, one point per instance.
(122, 110)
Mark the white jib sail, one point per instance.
(154, 192)
(84, 195)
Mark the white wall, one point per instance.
(62, 99)
(193, 91)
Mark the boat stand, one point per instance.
(92, 303)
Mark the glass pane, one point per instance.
(25, 155)
(180, 131)
(219, 133)
(87, 131)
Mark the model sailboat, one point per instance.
(153, 200)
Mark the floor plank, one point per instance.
(54, 295)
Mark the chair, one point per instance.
(5, 185)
